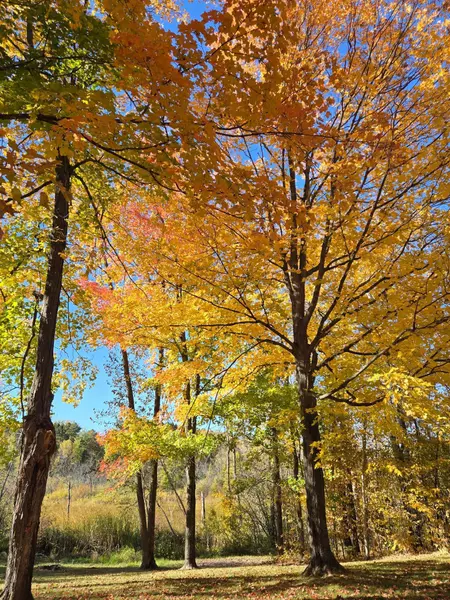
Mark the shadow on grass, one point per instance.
(424, 579)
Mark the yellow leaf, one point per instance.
(43, 199)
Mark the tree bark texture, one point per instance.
(322, 560)
(38, 441)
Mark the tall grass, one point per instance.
(103, 526)
(98, 526)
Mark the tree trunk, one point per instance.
(351, 541)
(365, 508)
(189, 538)
(228, 471)
(203, 509)
(190, 427)
(272, 526)
(38, 442)
(140, 495)
(5, 481)
(151, 516)
(153, 486)
(278, 495)
(322, 560)
(69, 498)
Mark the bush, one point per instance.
(169, 545)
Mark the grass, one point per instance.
(425, 577)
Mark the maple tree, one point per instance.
(334, 247)
(58, 59)
(323, 232)
(266, 196)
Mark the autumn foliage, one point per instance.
(257, 195)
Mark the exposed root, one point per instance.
(318, 567)
(189, 566)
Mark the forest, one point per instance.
(244, 205)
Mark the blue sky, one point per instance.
(95, 398)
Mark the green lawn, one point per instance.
(422, 577)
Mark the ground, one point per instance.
(414, 577)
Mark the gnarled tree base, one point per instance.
(319, 566)
(189, 566)
(149, 566)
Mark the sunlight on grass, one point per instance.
(408, 577)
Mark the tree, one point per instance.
(147, 513)
(322, 232)
(66, 430)
(264, 415)
(58, 59)
(283, 199)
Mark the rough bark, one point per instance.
(143, 525)
(322, 560)
(38, 442)
(203, 508)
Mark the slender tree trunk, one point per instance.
(365, 508)
(203, 509)
(298, 503)
(153, 486)
(143, 527)
(69, 498)
(351, 540)
(228, 471)
(441, 512)
(273, 524)
(203, 516)
(5, 481)
(190, 561)
(151, 515)
(38, 442)
(190, 427)
(140, 494)
(189, 546)
(322, 560)
(166, 516)
(278, 494)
